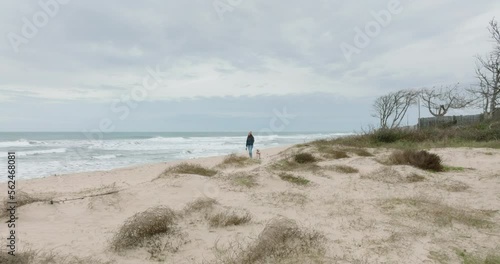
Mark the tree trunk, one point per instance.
(493, 105)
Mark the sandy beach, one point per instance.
(361, 210)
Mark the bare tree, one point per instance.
(440, 100)
(392, 108)
(480, 96)
(488, 73)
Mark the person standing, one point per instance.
(250, 141)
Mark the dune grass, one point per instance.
(343, 169)
(188, 168)
(289, 197)
(437, 212)
(303, 158)
(388, 174)
(481, 135)
(336, 154)
(228, 218)
(333, 151)
(454, 186)
(281, 241)
(143, 225)
(23, 257)
(328, 151)
(300, 161)
(22, 199)
(360, 152)
(419, 159)
(453, 169)
(415, 178)
(294, 179)
(385, 174)
(291, 165)
(235, 160)
(244, 179)
(470, 258)
(39, 257)
(200, 205)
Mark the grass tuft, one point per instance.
(420, 159)
(415, 178)
(187, 168)
(303, 158)
(228, 218)
(38, 257)
(454, 186)
(237, 161)
(328, 151)
(281, 241)
(438, 213)
(22, 199)
(292, 165)
(200, 204)
(385, 174)
(142, 225)
(288, 197)
(23, 257)
(453, 169)
(469, 258)
(244, 180)
(343, 169)
(337, 154)
(360, 152)
(294, 179)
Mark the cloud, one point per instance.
(307, 112)
(94, 51)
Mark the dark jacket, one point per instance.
(250, 140)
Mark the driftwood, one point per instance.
(53, 201)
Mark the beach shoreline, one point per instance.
(99, 176)
(354, 202)
(45, 154)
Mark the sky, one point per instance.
(227, 65)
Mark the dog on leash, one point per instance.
(258, 154)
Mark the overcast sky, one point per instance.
(226, 64)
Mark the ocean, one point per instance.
(55, 153)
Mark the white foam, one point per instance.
(17, 143)
(39, 152)
(42, 158)
(104, 157)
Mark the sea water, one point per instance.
(47, 153)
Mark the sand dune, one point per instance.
(346, 210)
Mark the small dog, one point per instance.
(258, 154)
